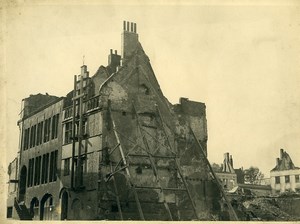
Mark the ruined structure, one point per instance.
(115, 148)
(227, 175)
(285, 176)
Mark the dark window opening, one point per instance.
(53, 166)
(67, 167)
(9, 212)
(277, 180)
(45, 168)
(297, 178)
(139, 170)
(30, 173)
(47, 130)
(287, 179)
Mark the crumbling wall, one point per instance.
(134, 89)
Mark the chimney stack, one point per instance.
(281, 153)
(114, 60)
(129, 40)
(231, 161)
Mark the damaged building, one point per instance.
(227, 175)
(285, 176)
(114, 148)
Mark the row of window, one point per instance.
(40, 133)
(68, 131)
(91, 104)
(41, 170)
(67, 164)
(287, 179)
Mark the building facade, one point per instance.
(285, 176)
(115, 148)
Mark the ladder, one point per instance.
(231, 210)
(151, 157)
(125, 166)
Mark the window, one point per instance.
(53, 166)
(37, 171)
(26, 139)
(32, 136)
(297, 178)
(47, 130)
(67, 167)
(54, 126)
(277, 180)
(30, 172)
(45, 168)
(287, 178)
(68, 113)
(93, 103)
(39, 135)
(9, 212)
(68, 132)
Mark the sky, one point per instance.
(241, 60)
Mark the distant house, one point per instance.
(285, 176)
(227, 175)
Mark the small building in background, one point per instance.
(227, 175)
(285, 176)
(12, 188)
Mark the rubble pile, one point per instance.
(261, 209)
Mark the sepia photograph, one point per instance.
(150, 110)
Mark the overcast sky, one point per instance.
(241, 61)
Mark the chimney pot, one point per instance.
(116, 52)
(127, 26)
(134, 27)
(131, 27)
(124, 25)
(111, 51)
(281, 153)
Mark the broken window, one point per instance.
(277, 180)
(67, 167)
(139, 170)
(287, 178)
(145, 89)
(297, 178)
